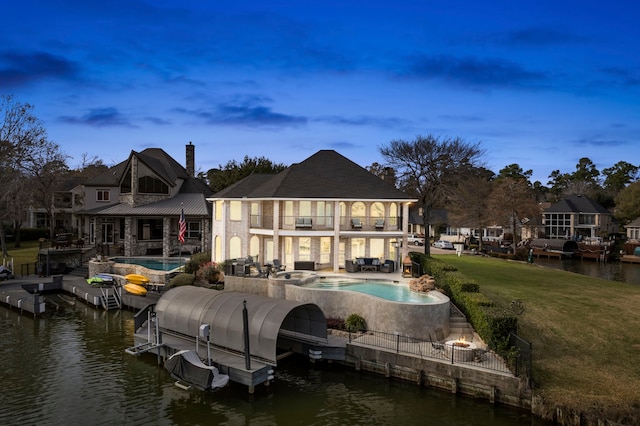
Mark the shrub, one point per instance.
(355, 322)
(181, 280)
(210, 272)
(195, 261)
(335, 323)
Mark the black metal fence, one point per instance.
(521, 361)
(463, 353)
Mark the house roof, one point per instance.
(155, 158)
(577, 204)
(191, 196)
(324, 175)
(635, 223)
(193, 205)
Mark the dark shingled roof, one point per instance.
(326, 174)
(577, 204)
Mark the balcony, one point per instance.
(324, 223)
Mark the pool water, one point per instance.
(155, 263)
(383, 290)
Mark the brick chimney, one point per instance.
(191, 153)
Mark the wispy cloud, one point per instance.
(474, 72)
(20, 68)
(599, 141)
(248, 111)
(364, 120)
(100, 117)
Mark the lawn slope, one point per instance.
(585, 332)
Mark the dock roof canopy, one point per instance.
(184, 309)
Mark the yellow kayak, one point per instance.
(135, 289)
(137, 279)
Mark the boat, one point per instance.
(100, 279)
(135, 289)
(137, 279)
(186, 367)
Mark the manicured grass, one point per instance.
(585, 331)
(26, 254)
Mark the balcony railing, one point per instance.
(327, 223)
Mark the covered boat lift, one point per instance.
(553, 247)
(243, 331)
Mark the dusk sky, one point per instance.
(538, 83)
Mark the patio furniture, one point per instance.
(303, 222)
(304, 265)
(351, 266)
(368, 264)
(379, 224)
(277, 266)
(388, 266)
(356, 223)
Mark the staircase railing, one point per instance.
(106, 296)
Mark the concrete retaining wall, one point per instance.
(476, 382)
(407, 319)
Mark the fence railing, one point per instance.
(471, 355)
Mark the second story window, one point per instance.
(103, 195)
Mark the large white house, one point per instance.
(324, 210)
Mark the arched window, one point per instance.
(235, 248)
(358, 210)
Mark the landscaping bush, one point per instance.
(355, 322)
(336, 323)
(181, 280)
(196, 260)
(492, 324)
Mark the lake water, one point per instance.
(69, 367)
(614, 271)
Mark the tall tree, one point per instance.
(24, 151)
(628, 203)
(617, 177)
(429, 168)
(516, 172)
(585, 179)
(469, 203)
(233, 171)
(513, 203)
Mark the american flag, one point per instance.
(182, 227)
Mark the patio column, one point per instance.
(405, 226)
(276, 231)
(336, 236)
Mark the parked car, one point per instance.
(415, 239)
(443, 244)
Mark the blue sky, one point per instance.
(538, 83)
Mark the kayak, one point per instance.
(135, 289)
(137, 279)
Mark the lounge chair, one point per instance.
(379, 224)
(356, 223)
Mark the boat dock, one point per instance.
(27, 294)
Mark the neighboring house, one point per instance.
(325, 210)
(578, 217)
(633, 230)
(134, 207)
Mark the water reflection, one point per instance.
(69, 367)
(613, 271)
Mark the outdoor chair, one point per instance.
(277, 266)
(356, 224)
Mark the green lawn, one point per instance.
(26, 254)
(585, 331)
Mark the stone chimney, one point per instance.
(191, 153)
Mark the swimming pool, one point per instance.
(384, 290)
(155, 263)
(386, 306)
